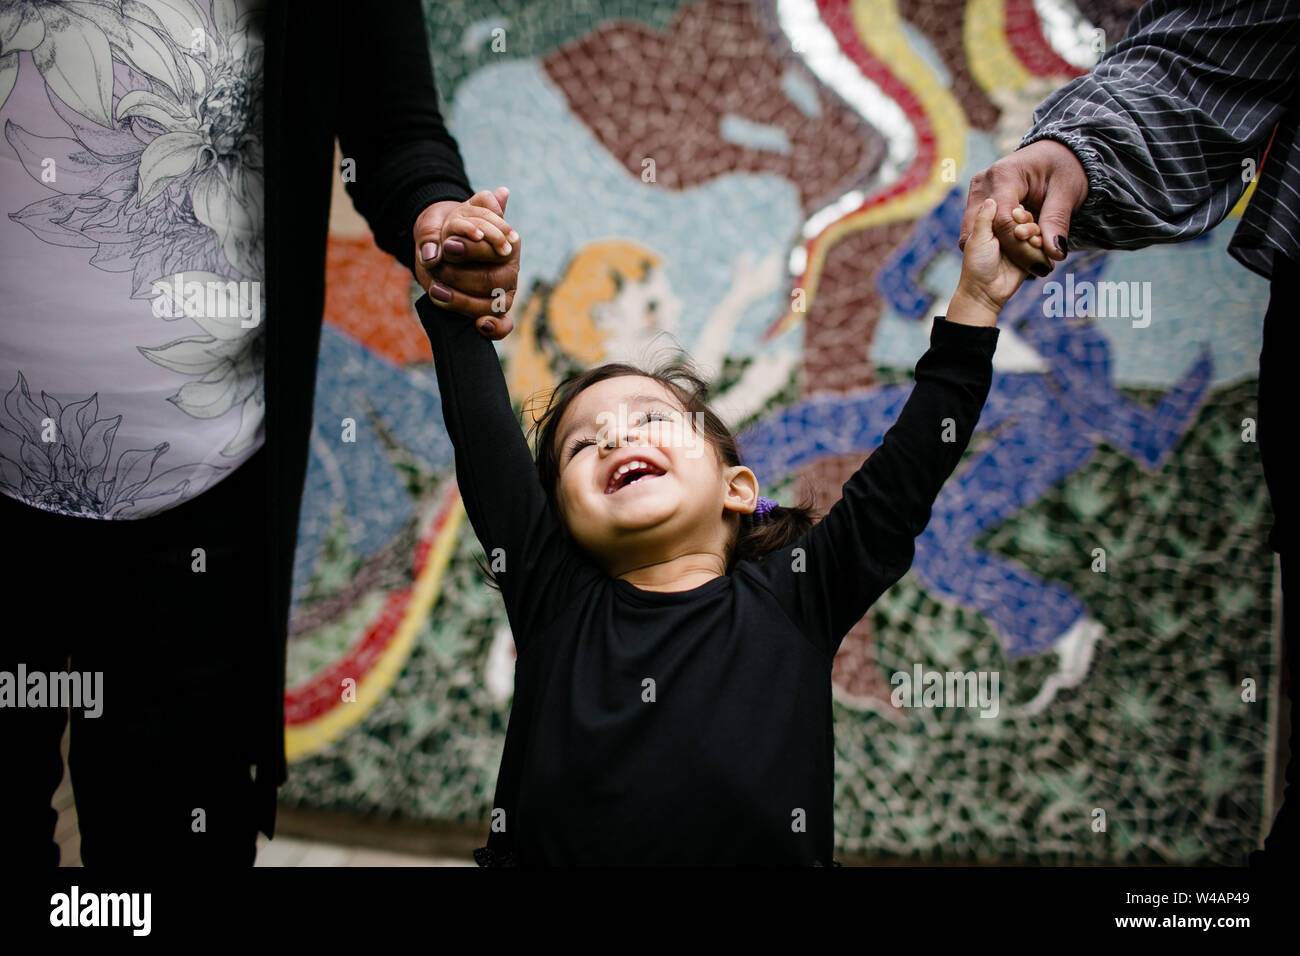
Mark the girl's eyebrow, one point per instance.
(563, 440)
(648, 400)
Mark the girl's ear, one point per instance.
(742, 489)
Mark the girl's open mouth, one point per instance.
(630, 473)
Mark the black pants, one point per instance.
(163, 773)
(1279, 397)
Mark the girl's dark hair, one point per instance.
(754, 539)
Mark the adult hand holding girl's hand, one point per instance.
(1046, 177)
(467, 259)
(989, 276)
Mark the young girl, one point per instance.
(674, 629)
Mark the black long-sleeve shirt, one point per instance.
(1173, 121)
(732, 761)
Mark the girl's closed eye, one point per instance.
(653, 416)
(578, 444)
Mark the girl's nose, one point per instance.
(635, 435)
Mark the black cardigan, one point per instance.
(365, 78)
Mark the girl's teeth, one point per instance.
(623, 470)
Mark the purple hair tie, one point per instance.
(764, 506)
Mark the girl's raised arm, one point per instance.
(866, 542)
(535, 562)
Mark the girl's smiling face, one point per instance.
(638, 482)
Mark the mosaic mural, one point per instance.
(778, 188)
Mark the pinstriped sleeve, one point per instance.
(1164, 123)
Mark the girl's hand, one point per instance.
(475, 265)
(480, 219)
(988, 277)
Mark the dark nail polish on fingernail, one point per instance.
(1062, 245)
(439, 292)
(488, 326)
(1039, 269)
(454, 246)
(429, 251)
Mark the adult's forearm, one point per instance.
(390, 124)
(1171, 122)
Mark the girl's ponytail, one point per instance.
(770, 530)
